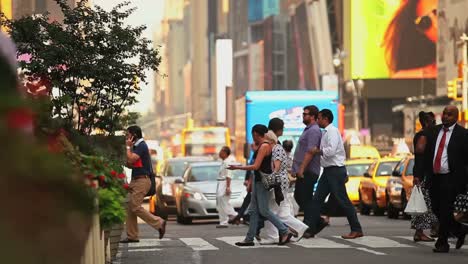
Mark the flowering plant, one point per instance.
(109, 176)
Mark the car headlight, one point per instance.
(194, 195)
(167, 189)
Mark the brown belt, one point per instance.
(140, 177)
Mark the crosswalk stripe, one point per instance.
(376, 242)
(319, 242)
(429, 244)
(371, 251)
(148, 242)
(198, 244)
(231, 240)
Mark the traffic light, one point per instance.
(454, 88)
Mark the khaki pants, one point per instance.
(137, 190)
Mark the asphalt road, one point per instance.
(385, 241)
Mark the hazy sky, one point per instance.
(149, 13)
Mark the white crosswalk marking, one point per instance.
(319, 242)
(372, 251)
(430, 244)
(233, 239)
(198, 244)
(376, 242)
(150, 242)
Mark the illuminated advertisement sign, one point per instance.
(393, 39)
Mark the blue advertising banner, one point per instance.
(260, 9)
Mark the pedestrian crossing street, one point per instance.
(371, 244)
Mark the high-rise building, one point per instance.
(29, 7)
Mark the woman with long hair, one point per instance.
(410, 40)
(427, 220)
(259, 203)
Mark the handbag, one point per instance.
(268, 180)
(152, 176)
(416, 204)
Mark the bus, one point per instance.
(204, 141)
(258, 107)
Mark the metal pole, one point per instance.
(355, 106)
(464, 38)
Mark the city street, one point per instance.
(386, 241)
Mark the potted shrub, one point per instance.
(111, 195)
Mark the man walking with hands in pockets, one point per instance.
(334, 175)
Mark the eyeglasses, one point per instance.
(304, 114)
(425, 22)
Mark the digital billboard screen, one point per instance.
(393, 39)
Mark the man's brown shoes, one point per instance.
(162, 230)
(353, 235)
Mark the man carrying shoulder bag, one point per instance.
(138, 159)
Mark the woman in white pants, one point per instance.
(283, 211)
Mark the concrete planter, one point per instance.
(112, 238)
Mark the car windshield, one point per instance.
(386, 168)
(409, 169)
(210, 173)
(356, 170)
(175, 168)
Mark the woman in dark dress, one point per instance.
(260, 195)
(427, 220)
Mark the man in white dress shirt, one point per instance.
(334, 175)
(223, 192)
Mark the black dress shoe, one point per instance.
(460, 241)
(245, 244)
(441, 249)
(127, 240)
(321, 226)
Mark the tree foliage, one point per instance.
(90, 65)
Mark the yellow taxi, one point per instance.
(360, 158)
(372, 187)
(356, 169)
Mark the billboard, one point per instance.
(453, 22)
(393, 39)
(260, 9)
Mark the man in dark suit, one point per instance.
(445, 161)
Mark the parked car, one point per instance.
(196, 195)
(372, 194)
(360, 157)
(163, 202)
(399, 187)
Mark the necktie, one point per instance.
(440, 149)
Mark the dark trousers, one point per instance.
(333, 181)
(304, 193)
(443, 193)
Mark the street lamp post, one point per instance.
(356, 90)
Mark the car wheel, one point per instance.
(161, 211)
(375, 206)
(404, 203)
(392, 212)
(363, 208)
(184, 220)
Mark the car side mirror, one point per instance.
(396, 173)
(367, 175)
(179, 181)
